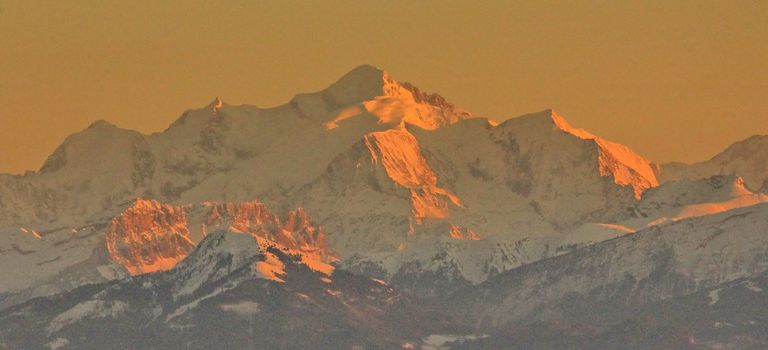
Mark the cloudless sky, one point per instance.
(675, 80)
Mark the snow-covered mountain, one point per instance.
(676, 200)
(334, 210)
(747, 158)
(481, 196)
(219, 152)
(391, 175)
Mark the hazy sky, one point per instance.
(675, 80)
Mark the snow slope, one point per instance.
(218, 297)
(601, 285)
(747, 158)
(472, 199)
(682, 199)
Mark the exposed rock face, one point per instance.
(461, 233)
(149, 237)
(295, 231)
(400, 155)
(626, 167)
(433, 99)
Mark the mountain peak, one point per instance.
(550, 117)
(564, 125)
(616, 160)
(747, 158)
(544, 120)
(216, 104)
(364, 72)
(363, 83)
(89, 144)
(368, 90)
(744, 148)
(101, 124)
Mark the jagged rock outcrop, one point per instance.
(399, 153)
(144, 236)
(626, 167)
(295, 231)
(149, 237)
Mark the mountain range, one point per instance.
(372, 214)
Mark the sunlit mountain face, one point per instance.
(371, 215)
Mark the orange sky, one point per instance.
(675, 80)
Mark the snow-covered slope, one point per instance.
(726, 316)
(93, 170)
(565, 175)
(60, 260)
(601, 285)
(747, 158)
(618, 161)
(221, 297)
(471, 199)
(682, 199)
